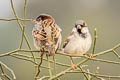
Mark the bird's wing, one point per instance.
(40, 36)
(54, 37)
(56, 33)
(68, 39)
(58, 37)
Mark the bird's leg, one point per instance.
(53, 50)
(54, 65)
(91, 55)
(50, 72)
(53, 54)
(41, 52)
(72, 63)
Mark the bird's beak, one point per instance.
(79, 27)
(35, 22)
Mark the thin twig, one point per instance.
(83, 73)
(117, 46)
(95, 39)
(95, 75)
(25, 4)
(23, 59)
(107, 61)
(27, 56)
(54, 62)
(116, 54)
(38, 68)
(50, 72)
(21, 27)
(85, 60)
(29, 61)
(4, 74)
(8, 53)
(14, 19)
(64, 72)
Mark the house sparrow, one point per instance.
(79, 41)
(46, 34)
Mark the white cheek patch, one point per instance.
(74, 30)
(84, 30)
(37, 26)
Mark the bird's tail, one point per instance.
(51, 51)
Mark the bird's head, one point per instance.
(81, 26)
(43, 19)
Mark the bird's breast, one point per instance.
(78, 45)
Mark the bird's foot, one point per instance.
(74, 66)
(89, 55)
(40, 54)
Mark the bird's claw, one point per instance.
(89, 55)
(74, 66)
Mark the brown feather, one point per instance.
(47, 36)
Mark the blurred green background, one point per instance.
(101, 14)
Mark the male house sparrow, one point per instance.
(46, 34)
(79, 41)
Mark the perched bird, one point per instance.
(79, 41)
(46, 34)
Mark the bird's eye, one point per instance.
(81, 25)
(76, 26)
(38, 19)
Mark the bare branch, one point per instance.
(4, 74)
(14, 19)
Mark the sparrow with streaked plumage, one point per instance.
(79, 41)
(46, 34)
